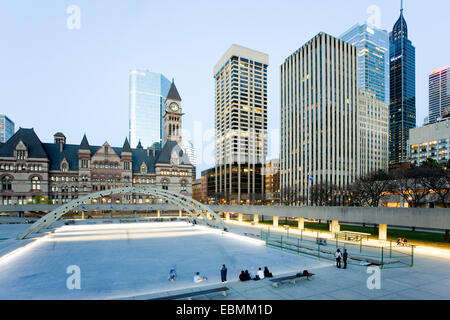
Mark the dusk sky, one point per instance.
(75, 81)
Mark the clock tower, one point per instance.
(172, 116)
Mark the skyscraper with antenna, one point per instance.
(402, 109)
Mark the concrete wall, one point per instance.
(407, 217)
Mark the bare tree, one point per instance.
(369, 189)
(438, 183)
(323, 194)
(412, 184)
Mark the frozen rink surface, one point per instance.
(120, 260)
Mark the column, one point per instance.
(240, 217)
(275, 221)
(382, 233)
(158, 213)
(301, 223)
(82, 215)
(227, 216)
(180, 213)
(335, 227)
(255, 218)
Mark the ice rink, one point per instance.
(120, 260)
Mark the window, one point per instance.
(64, 167)
(21, 154)
(35, 183)
(6, 183)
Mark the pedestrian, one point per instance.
(260, 274)
(267, 273)
(223, 273)
(172, 275)
(344, 258)
(242, 276)
(338, 256)
(198, 278)
(247, 275)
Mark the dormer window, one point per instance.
(143, 169)
(21, 154)
(64, 167)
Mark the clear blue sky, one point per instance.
(76, 81)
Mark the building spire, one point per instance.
(401, 7)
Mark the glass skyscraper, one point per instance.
(402, 109)
(439, 94)
(372, 45)
(147, 94)
(6, 128)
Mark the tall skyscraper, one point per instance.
(439, 93)
(241, 124)
(402, 109)
(372, 45)
(319, 127)
(147, 94)
(6, 128)
(373, 119)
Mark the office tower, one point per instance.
(372, 45)
(319, 128)
(402, 109)
(241, 125)
(439, 93)
(373, 119)
(147, 95)
(6, 128)
(430, 141)
(272, 182)
(188, 148)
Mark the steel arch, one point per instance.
(184, 202)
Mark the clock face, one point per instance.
(174, 106)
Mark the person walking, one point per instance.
(344, 258)
(338, 256)
(223, 274)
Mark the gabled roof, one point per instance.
(84, 143)
(31, 141)
(166, 153)
(173, 93)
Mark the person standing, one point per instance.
(338, 256)
(344, 258)
(223, 273)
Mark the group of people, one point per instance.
(245, 275)
(341, 256)
(402, 242)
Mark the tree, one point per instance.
(369, 189)
(438, 183)
(412, 184)
(323, 194)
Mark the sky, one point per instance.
(54, 77)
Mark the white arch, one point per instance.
(184, 202)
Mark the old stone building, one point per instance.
(59, 172)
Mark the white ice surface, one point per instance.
(120, 260)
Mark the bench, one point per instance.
(189, 295)
(291, 279)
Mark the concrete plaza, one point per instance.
(132, 261)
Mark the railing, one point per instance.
(384, 256)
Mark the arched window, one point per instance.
(165, 184)
(6, 183)
(35, 183)
(85, 188)
(183, 185)
(64, 167)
